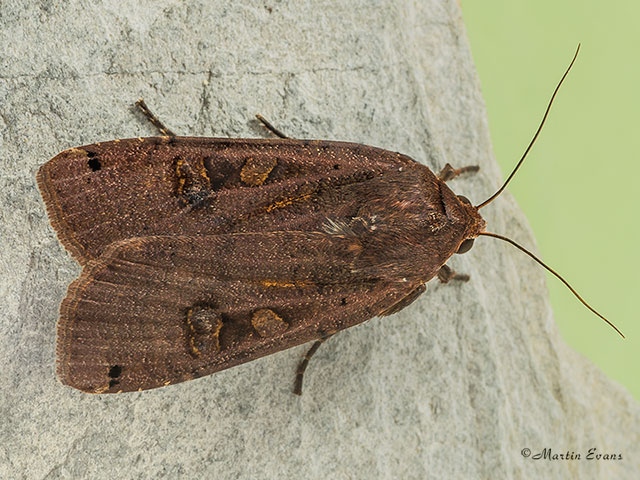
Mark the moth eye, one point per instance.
(464, 199)
(465, 246)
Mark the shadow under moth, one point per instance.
(199, 254)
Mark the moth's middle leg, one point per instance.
(449, 173)
(267, 124)
(297, 387)
(405, 301)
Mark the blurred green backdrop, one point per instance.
(579, 184)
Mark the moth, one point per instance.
(199, 254)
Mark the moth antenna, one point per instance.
(508, 240)
(546, 113)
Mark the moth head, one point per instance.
(476, 224)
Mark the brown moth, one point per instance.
(199, 254)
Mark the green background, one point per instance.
(579, 185)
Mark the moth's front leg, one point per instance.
(449, 173)
(446, 274)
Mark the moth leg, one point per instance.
(446, 274)
(270, 127)
(449, 173)
(405, 301)
(297, 387)
(153, 119)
